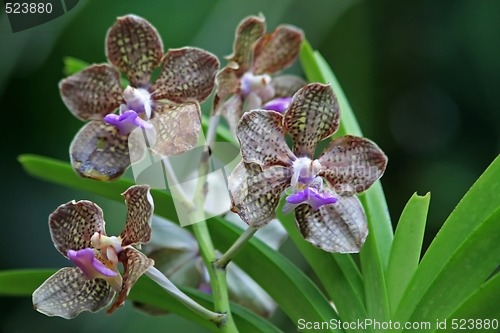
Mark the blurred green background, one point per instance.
(423, 78)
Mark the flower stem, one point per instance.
(218, 280)
(226, 258)
(155, 275)
(172, 181)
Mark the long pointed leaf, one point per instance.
(406, 247)
(459, 249)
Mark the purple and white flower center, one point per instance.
(306, 186)
(138, 100)
(257, 86)
(134, 113)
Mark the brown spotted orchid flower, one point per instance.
(321, 190)
(169, 106)
(77, 230)
(246, 82)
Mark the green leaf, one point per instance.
(73, 65)
(338, 274)
(463, 255)
(375, 253)
(406, 247)
(24, 282)
(287, 284)
(482, 304)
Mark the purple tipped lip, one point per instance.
(312, 197)
(127, 121)
(91, 267)
(279, 104)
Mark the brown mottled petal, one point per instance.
(312, 116)
(139, 213)
(232, 110)
(286, 85)
(352, 164)
(261, 139)
(187, 75)
(249, 30)
(227, 84)
(255, 193)
(177, 128)
(134, 46)
(68, 292)
(340, 227)
(98, 151)
(135, 264)
(72, 225)
(92, 93)
(277, 50)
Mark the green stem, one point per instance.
(226, 258)
(172, 181)
(218, 279)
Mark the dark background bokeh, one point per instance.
(423, 78)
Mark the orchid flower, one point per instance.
(248, 81)
(169, 107)
(77, 230)
(320, 190)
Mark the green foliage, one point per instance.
(456, 278)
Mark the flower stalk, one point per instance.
(226, 258)
(218, 279)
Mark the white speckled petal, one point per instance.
(352, 164)
(255, 193)
(135, 263)
(312, 116)
(262, 140)
(72, 225)
(140, 208)
(340, 227)
(68, 292)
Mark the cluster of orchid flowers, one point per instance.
(260, 107)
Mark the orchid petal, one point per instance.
(262, 140)
(140, 208)
(134, 46)
(187, 75)
(99, 151)
(352, 164)
(92, 93)
(177, 128)
(72, 225)
(312, 116)
(255, 193)
(232, 110)
(339, 227)
(227, 84)
(68, 292)
(249, 30)
(135, 264)
(286, 85)
(276, 51)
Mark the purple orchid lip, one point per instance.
(311, 197)
(279, 104)
(91, 267)
(127, 121)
